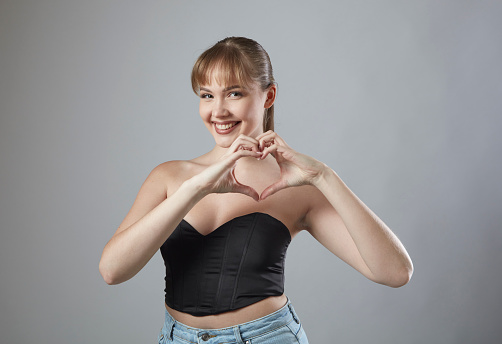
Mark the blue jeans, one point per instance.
(281, 327)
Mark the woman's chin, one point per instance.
(223, 143)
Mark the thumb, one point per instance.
(244, 189)
(247, 190)
(272, 189)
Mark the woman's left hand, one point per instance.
(296, 168)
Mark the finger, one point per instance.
(269, 138)
(266, 141)
(242, 138)
(274, 149)
(245, 142)
(228, 161)
(267, 133)
(244, 146)
(244, 189)
(268, 150)
(248, 191)
(272, 189)
(240, 152)
(245, 153)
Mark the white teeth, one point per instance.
(225, 126)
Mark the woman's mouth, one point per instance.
(225, 128)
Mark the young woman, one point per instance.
(224, 220)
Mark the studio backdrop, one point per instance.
(401, 98)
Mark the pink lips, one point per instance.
(225, 131)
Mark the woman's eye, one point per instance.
(206, 96)
(235, 94)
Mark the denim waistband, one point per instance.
(233, 334)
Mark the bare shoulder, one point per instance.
(172, 174)
(171, 169)
(163, 180)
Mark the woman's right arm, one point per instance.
(153, 217)
(151, 220)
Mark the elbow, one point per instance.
(109, 279)
(396, 278)
(108, 276)
(401, 274)
(401, 278)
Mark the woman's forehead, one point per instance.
(224, 77)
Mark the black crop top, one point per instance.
(239, 263)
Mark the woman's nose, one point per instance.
(219, 109)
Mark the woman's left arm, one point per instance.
(340, 220)
(348, 228)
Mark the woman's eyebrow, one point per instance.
(226, 89)
(231, 88)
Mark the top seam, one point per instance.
(202, 269)
(248, 239)
(225, 252)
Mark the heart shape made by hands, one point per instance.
(254, 179)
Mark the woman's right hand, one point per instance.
(220, 177)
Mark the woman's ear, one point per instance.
(271, 93)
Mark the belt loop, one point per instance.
(295, 318)
(237, 334)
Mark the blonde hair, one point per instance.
(237, 59)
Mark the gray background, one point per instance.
(401, 98)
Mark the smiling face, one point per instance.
(237, 88)
(231, 110)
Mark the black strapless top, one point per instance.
(239, 263)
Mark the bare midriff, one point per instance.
(231, 318)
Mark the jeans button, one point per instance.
(205, 337)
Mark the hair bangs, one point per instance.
(222, 64)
